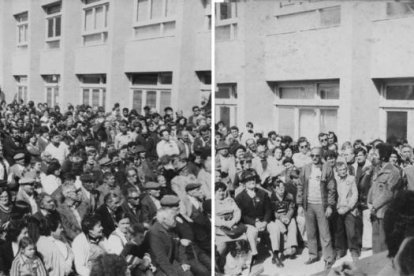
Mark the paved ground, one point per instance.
(297, 267)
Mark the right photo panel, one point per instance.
(314, 114)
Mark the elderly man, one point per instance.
(266, 166)
(47, 207)
(255, 209)
(316, 197)
(26, 193)
(150, 202)
(166, 252)
(132, 207)
(107, 213)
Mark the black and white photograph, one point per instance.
(313, 135)
(105, 137)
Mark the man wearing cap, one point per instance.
(226, 161)
(150, 202)
(18, 169)
(56, 148)
(255, 209)
(26, 193)
(166, 146)
(179, 182)
(123, 137)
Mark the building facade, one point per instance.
(98, 52)
(304, 67)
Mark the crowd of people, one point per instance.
(88, 192)
(277, 196)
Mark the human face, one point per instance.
(323, 140)
(361, 157)
(4, 199)
(235, 133)
(278, 154)
(406, 153)
(349, 155)
(124, 225)
(261, 152)
(110, 180)
(165, 136)
(224, 152)
(58, 233)
(24, 233)
(170, 220)
(303, 147)
(56, 139)
(207, 164)
(393, 159)
(97, 230)
(288, 152)
(196, 111)
(331, 139)
(220, 194)
(29, 251)
(246, 164)
(342, 171)
(331, 162)
(239, 153)
(29, 189)
(316, 156)
(133, 199)
(155, 193)
(139, 238)
(251, 144)
(123, 128)
(132, 176)
(113, 204)
(280, 190)
(48, 203)
(288, 165)
(251, 184)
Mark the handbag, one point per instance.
(235, 231)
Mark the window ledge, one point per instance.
(305, 30)
(393, 17)
(53, 39)
(153, 22)
(95, 32)
(151, 38)
(22, 45)
(226, 22)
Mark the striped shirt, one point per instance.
(24, 266)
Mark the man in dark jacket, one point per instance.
(255, 208)
(166, 252)
(107, 213)
(317, 198)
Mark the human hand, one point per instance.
(186, 267)
(328, 212)
(301, 212)
(185, 242)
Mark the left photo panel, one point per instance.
(105, 137)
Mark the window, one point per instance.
(93, 89)
(310, 19)
(51, 89)
(53, 25)
(154, 18)
(95, 25)
(399, 8)
(207, 15)
(306, 108)
(21, 82)
(226, 21)
(205, 86)
(397, 125)
(22, 20)
(151, 89)
(226, 103)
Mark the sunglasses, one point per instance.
(315, 155)
(134, 198)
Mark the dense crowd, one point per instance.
(88, 192)
(275, 194)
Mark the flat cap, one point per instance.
(105, 161)
(249, 174)
(26, 181)
(18, 156)
(140, 148)
(87, 177)
(170, 201)
(222, 145)
(192, 186)
(152, 185)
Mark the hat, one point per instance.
(192, 186)
(26, 181)
(105, 161)
(152, 185)
(170, 201)
(235, 147)
(87, 178)
(222, 145)
(140, 148)
(288, 160)
(249, 174)
(18, 156)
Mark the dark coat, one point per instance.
(135, 218)
(166, 251)
(328, 186)
(259, 209)
(6, 257)
(107, 220)
(149, 210)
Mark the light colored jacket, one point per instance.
(81, 250)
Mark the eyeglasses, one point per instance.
(323, 140)
(134, 175)
(315, 155)
(134, 198)
(303, 147)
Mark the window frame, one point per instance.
(232, 22)
(55, 86)
(161, 22)
(22, 25)
(103, 32)
(231, 103)
(101, 86)
(158, 88)
(24, 85)
(53, 16)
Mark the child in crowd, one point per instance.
(27, 262)
(238, 259)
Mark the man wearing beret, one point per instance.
(150, 202)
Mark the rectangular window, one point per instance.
(151, 89)
(51, 89)
(285, 124)
(93, 89)
(53, 25)
(226, 23)
(21, 83)
(400, 92)
(226, 103)
(22, 21)
(154, 18)
(226, 92)
(400, 8)
(396, 125)
(95, 25)
(205, 86)
(328, 91)
(301, 92)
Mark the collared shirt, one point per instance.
(123, 139)
(60, 152)
(314, 188)
(167, 148)
(25, 266)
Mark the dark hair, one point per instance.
(120, 215)
(89, 222)
(330, 154)
(14, 229)
(321, 135)
(25, 242)
(276, 182)
(219, 185)
(384, 151)
(53, 221)
(331, 133)
(271, 133)
(108, 265)
(406, 257)
(358, 150)
(54, 166)
(399, 221)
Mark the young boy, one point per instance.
(349, 221)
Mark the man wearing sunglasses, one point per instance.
(316, 199)
(302, 157)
